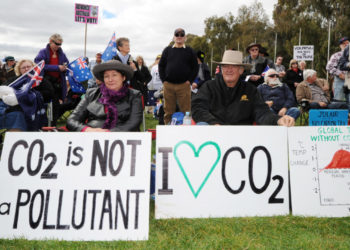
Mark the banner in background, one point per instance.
(85, 13)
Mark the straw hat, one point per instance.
(99, 69)
(234, 57)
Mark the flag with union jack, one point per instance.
(111, 50)
(80, 69)
(75, 86)
(30, 100)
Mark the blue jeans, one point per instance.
(293, 112)
(338, 89)
(332, 105)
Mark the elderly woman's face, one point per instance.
(113, 79)
(24, 67)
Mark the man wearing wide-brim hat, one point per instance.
(228, 100)
(259, 63)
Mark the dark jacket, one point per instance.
(344, 60)
(257, 69)
(282, 97)
(178, 65)
(90, 112)
(44, 54)
(7, 77)
(291, 77)
(215, 103)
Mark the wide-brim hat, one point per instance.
(234, 57)
(125, 69)
(253, 45)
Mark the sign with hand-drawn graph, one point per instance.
(319, 159)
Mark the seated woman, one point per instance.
(110, 107)
(12, 116)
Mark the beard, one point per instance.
(275, 83)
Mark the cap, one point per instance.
(9, 58)
(179, 30)
(343, 39)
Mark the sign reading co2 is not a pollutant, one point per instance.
(75, 186)
(221, 171)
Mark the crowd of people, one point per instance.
(244, 90)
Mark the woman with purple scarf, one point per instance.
(110, 107)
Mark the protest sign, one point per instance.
(221, 171)
(328, 117)
(304, 52)
(75, 186)
(319, 160)
(85, 13)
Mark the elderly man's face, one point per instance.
(125, 48)
(312, 78)
(231, 74)
(179, 37)
(254, 51)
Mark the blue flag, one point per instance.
(75, 86)
(81, 71)
(265, 70)
(30, 100)
(111, 50)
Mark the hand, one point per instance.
(254, 77)
(269, 103)
(194, 85)
(62, 68)
(282, 111)
(322, 104)
(341, 76)
(188, 82)
(10, 99)
(89, 129)
(296, 84)
(282, 74)
(286, 120)
(132, 65)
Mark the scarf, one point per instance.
(109, 99)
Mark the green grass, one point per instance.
(280, 232)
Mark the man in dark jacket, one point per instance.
(178, 67)
(55, 68)
(228, 100)
(259, 64)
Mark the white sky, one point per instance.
(26, 26)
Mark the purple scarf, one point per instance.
(109, 99)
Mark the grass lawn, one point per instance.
(280, 232)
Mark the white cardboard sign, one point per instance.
(303, 52)
(75, 186)
(319, 159)
(221, 171)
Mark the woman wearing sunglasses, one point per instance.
(55, 67)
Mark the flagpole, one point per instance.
(85, 39)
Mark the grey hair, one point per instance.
(56, 37)
(267, 73)
(308, 73)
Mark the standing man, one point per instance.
(333, 69)
(178, 67)
(344, 64)
(259, 63)
(93, 82)
(55, 68)
(228, 100)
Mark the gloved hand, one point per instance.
(10, 99)
(6, 90)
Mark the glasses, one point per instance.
(58, 44)
(180, 34)
(273, 75)
(26, 67)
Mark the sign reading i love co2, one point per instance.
(209, 171)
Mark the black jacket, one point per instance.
(257, 69)
(291, 77)
(90, 112)
(215, 103)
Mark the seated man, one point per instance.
(278, 96)
(315, 91)
(228, 100)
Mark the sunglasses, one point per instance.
(180, 34)
(273, 75)
(253, 49)
(58, 44)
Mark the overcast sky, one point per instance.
(26, 26)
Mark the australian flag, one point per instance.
(265, 70)
(30, 100)
(75, 86)
(81, 71)
(111, 50)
